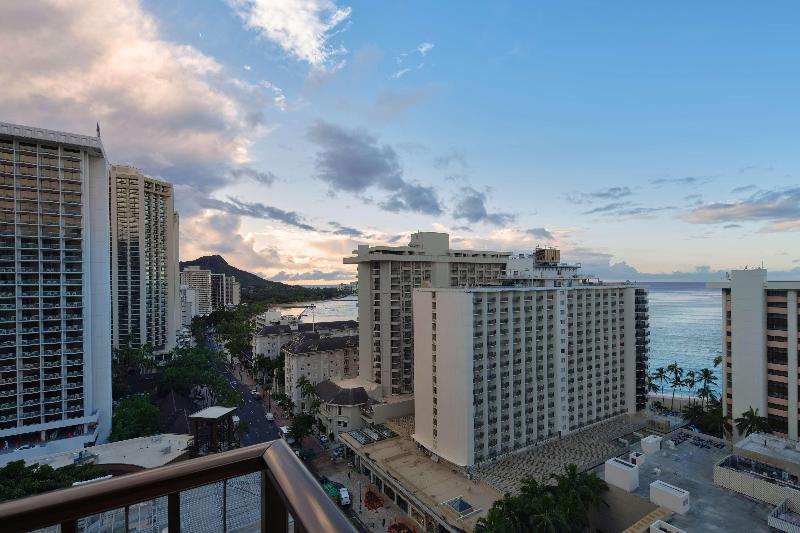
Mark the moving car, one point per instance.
(344, 496)
(270, 417)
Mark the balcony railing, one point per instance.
(287, 488)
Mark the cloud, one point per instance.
(688, 181)
(166, 107)
(262, 177)
(344, 230)
(625, 209)
(315, 275)
(354, 161)
(780, 207)
(419, 52)
(391, 104)
(452, 157)
(235, 206)
(302, 28)
(424, 48)
(471, 206)
(744, 188)
(414, 197)
(731, 226)
(541, 233)
(610, 193)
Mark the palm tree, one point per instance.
(707, 378)
(717, 361)
(690, 382)
(752, 422)
(660, 374)
(676, 380)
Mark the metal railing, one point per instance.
(287, 488)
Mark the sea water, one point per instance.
(685, 326)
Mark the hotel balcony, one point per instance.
(285, 488)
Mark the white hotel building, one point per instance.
(55, 332)
(500, 368)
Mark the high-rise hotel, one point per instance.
(55, 336)
(760, 348)
(387, 276)
(541, 354)
(144, 267)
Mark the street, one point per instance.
(252, 411)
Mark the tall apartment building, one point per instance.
(760, 348)
(55, 334)
(233, 291)
(196, 278)
(500, 368)
(190, 305)
(386, 277)
(144, 265)
(217, 291)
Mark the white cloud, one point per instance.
(303, 28)
(247, 67)
(164, 106)
(424, 48)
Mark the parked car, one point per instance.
(270, 417)
(344, 496)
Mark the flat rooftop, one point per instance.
(144, 452)
(772, 450)
(713, 509)
(213, 413)
(434, 483)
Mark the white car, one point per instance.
(344, 496)
(270, 417)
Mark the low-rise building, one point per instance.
(318, 358)
(272, 336)
(342, 402)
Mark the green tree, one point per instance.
(691, 383)
(284, 402)
(752, 422)
(707, 378)
(717, 361)
(18, 480)
(135, 416)
(675, 380)
(559, 506)
(301, 426)
(660, 375)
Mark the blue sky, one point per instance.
(648, 140)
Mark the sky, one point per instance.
(652, 141)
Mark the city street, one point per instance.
(252, 411)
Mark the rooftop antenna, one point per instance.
(98, 130)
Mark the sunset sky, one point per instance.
(647, 140)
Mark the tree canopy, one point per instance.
(560, 506)
(135, 416)
(18, 480)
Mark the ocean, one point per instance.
(685, 324)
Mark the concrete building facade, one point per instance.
(318, 359)
(190, 305)
(198, 279)
(760, 348)
(55, 333)
(387, 275)
(144, 266)
(502, 368)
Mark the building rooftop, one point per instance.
(713, 509)
(335, 394)
(212, 413)
(313, 342)
(307, 327)
(772, 450)
(436, 484)
(45, 135)
(421, 245)
(143, 452)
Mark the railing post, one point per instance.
(174, 512)
(274, 518)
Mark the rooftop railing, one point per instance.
(287, 488)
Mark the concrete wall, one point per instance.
(448, 400)
(754, 487)
(748, 328)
